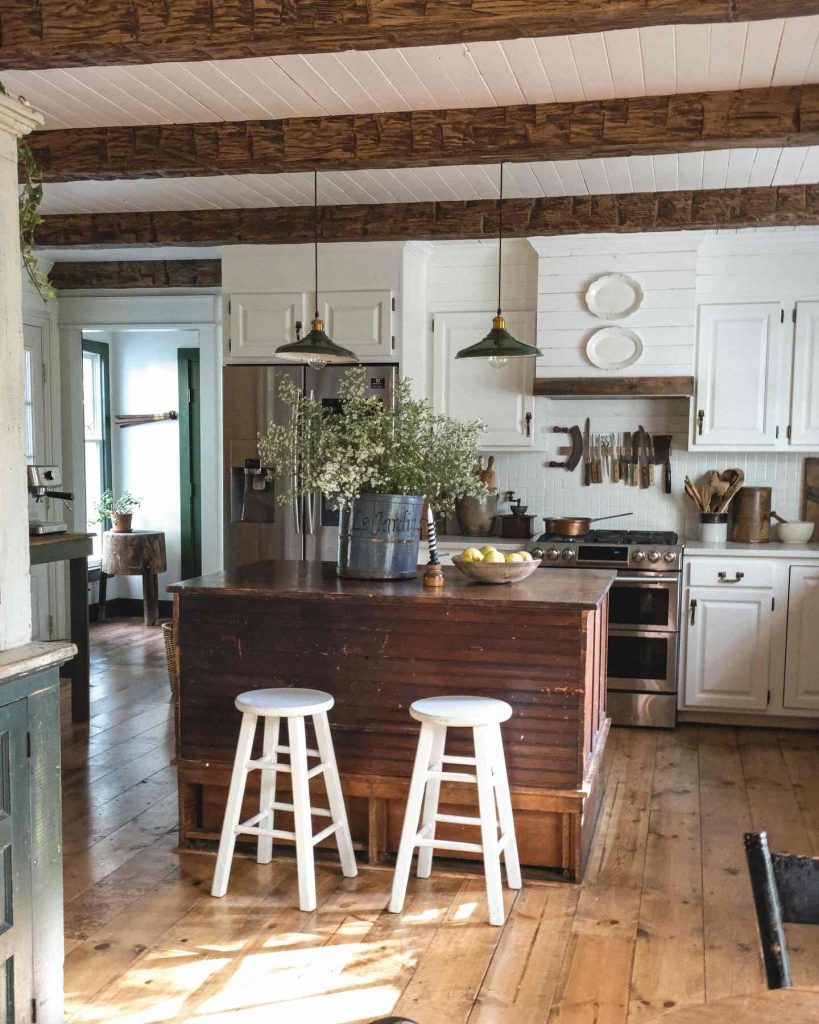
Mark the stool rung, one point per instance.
(286, 750)
(456, 759)
(268, 764)
(449, 844)
(270, 833)
(317, 838)
(457, 819)
(317, 770)
(321, 812)
(452, 776)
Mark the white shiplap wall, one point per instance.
(674, 277)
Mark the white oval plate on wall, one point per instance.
(614, 348)
(614, 296)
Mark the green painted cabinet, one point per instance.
(31, 912)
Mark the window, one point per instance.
(97, 415)
(28, 400)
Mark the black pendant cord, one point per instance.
(316, 235)
(500, 238)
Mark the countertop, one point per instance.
(774, 549)
(501, 543)
(34, 657)
(581, 588)
(39, 540)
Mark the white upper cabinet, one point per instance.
(360, 321)
(805, 395)
(738, 352)
(260, 322)
(471, 389)
(802, 653)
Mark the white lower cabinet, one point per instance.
(802, 649)
(728, 648)
(750, 636)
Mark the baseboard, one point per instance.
(127, 607)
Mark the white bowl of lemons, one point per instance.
(488, 565)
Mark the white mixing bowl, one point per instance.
(795, 532)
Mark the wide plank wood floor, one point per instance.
(663, 918)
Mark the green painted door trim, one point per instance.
(190, 463)
(102, 349)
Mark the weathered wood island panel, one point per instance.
(540, 645)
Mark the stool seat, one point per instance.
(464, 712)
(284, 702)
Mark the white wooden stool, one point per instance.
(295, 705)
(483, 716)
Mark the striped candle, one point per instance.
(432, 538)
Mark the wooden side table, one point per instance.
(138, 553)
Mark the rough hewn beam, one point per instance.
(640, 211)
(66, 33)
(785, 116)
(137, 274)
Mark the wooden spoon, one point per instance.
(739, 479)
(693, 494)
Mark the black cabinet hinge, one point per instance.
(230, 344)
(33, 1011)
(433, 326)
(28, 744)
(773, 603)
(393, 303)
(769, 698)
(230, 306)
(782, 316)
(793, 314)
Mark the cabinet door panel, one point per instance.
(805, 407)
(16, 951)
(470, 388)
(802, 651)
(728, 649)
(736, 373)
(360, 321)
(259, 323)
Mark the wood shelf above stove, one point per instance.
(614, 387)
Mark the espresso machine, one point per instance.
(45, 482)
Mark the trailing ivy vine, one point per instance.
(31, 195)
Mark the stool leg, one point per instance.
(103, 592)
(335, 797)
(267, 797)
(507, 821)
(489, 824)
(431, 800)
(411, 816)
(233, 810)
(301, 814)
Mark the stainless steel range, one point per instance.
(644, 610)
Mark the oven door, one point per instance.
(642, 660)
(644, 603)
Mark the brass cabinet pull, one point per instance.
(723, 577)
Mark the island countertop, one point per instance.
(581, 588)
(376, 646)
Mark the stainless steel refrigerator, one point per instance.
(257, 526)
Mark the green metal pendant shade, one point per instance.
(316, 346)
(498, 344)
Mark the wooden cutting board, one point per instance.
(811, 511)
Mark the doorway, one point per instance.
(190, 463)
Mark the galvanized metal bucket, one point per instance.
(378, 537)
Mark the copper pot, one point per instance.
(567, 526)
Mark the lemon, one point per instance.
(514, 556)
(524, 556)
(493, 556)
(486, 549)
(471, 555)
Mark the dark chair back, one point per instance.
(786, 891)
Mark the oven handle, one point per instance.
(647, 579)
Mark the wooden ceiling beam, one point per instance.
(784, 116)
(42, 34)
(136, 274)
(640, 211)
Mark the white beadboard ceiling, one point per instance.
(631, 62)
(735, 168)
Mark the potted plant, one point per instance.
(120, 510)
(377, 465)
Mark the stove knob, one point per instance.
(654, 556)
(638, 556)
(670, 556)
(538, 553)
(568, 554)
(553, 554)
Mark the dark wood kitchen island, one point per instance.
(539, 644)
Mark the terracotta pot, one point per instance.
(122, 523)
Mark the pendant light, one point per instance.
(316, 348)
(498, 346)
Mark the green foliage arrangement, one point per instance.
(31, 195)
(406, 449)
(108, 507)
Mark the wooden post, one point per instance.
(79, 668)
(150, 597)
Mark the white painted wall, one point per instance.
(15, 587)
